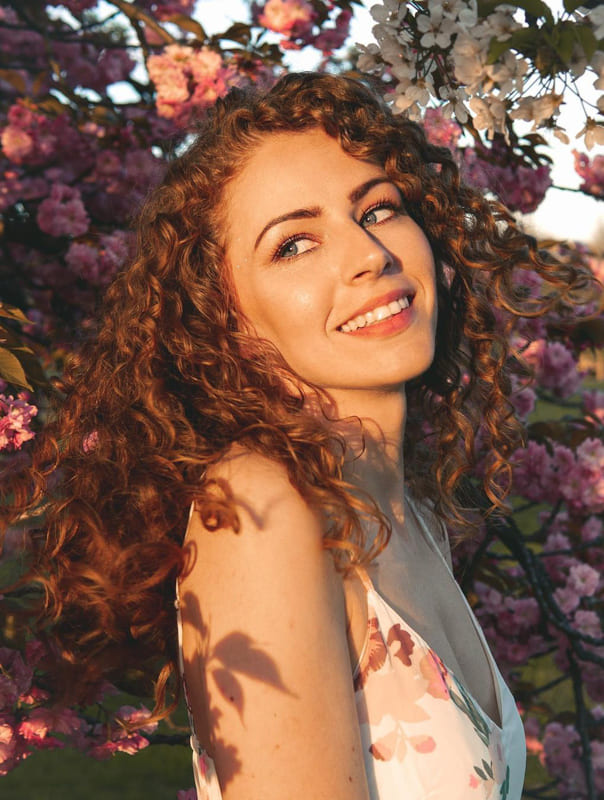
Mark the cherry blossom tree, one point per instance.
(95, 96)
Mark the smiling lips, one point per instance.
(385, 312)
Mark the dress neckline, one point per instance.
(495, 675)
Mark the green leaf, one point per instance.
(11, 370)
(239, 32)
(572, 5)
(565, 45)
(487, 768)
(536, 8)
(188, 24)
(15, 78)
(12, 312)
(480, 773)
(497, 49)
(587, 40)
(486, 7)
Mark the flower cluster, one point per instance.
(301, 25)
(477, 61)
(592, 172)
(27, 723)
(16, 415)
(188, 80)
(552, 472)
(521, 187)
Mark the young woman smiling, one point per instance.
(302, 360)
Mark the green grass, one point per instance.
(157, 772)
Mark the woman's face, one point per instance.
(328, 266)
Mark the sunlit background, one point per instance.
(565, 213)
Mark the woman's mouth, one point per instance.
(379, 315)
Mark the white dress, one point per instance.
(424, 736)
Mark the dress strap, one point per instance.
(363, 576)
(181, 665)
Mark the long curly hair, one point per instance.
(164, 390)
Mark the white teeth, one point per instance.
(376, 315)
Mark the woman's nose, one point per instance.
(364, 255)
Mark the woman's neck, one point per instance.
(378, 468)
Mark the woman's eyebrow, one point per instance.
(315, 211)
(360, 191)
(299, 213)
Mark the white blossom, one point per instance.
(596, 17)
(593, 132)
(367, 61)
(389, 12)
(508, 72)
(416, 95)
(500, 25)
(489, 113)
(455, 103)
(436, 28)
(537, 109)
(470, 61)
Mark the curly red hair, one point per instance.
(164, 391)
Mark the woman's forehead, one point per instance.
(291, 168)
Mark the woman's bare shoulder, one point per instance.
(265, 647)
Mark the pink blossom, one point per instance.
(63, 212)
(15, 419)
(440, 130)
(16, 143)
(34, 139)
(559, 745)
(593, 529)
(83, 260)
(34, 729)
(129, 744)
(592, 172)
(330, 39)
(584, 485)
(597, 267)
(521, 188)
(555, 367)
(523, 399)
(186, 794)
(593, 403)
(136, 716)
(291, 17)
(10, 749)
(188, 80)
(588, 622)
(567, 598)
(532, 732)
(534, 472)
(557, 565)
(583, 579)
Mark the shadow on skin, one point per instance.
(233, 657)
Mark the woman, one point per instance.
(300, 358)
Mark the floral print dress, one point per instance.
(424, 736)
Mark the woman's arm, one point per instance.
(266, 655)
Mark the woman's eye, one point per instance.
(294, 247)
(379, 214)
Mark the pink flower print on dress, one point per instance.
(374, 654)
(400, 644)
(435, 672)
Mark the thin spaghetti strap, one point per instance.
(424, 527)
(181, 664)
(364, 577)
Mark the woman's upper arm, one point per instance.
(266, 655)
